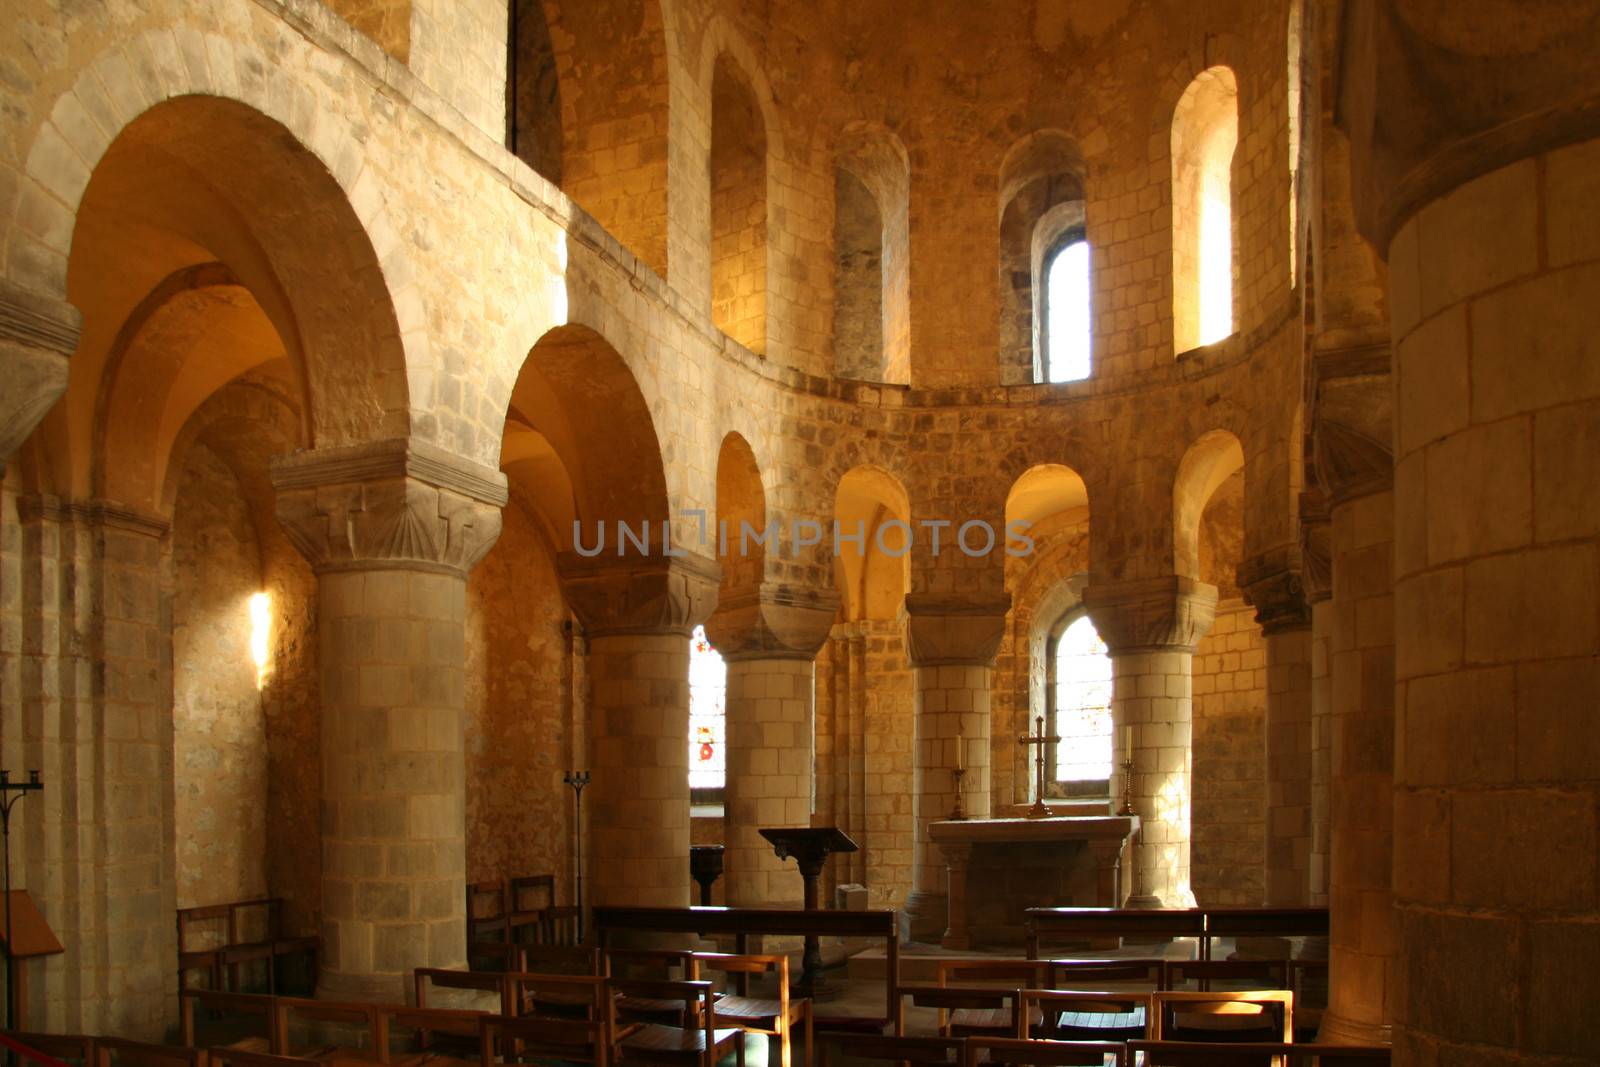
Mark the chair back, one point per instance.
(1031, 974)
(1276, 1005)
(1024, 1053)
(1237, 974)
(117, 1052)
(741, 966)
(250, 1005)
(427, 1024)
(508, 1039)
(487, 911)
(947, 998)
(647, 964)
(896, 1049)
(426, 978)
(370, 1024)
(1074, 1015)
(1096, 974)
(227, 1056)
(495, 956)
(566, 996)
(559, 925)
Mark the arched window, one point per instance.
(1205, 131)
(1066, 317)
(708, 717)
(738, 209)
(1081, 763)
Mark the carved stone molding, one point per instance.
(614, 595)
(954, 630)
(1167, 613)
(388, 504)
(1272, 584)
(93, 513)
(37, 335)
(778, 621)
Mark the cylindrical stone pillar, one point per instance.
(637, 613)
(1361, 937)
(1288, 882)
(1150, 628)
(393, 777)
(637, 803)
(952, 644)
(769, 776)
(391, 529)
(1497, 516)
(769, 637)
(1321, 744)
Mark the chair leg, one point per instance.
(811, 1040)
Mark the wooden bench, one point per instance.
(742, 923)
(1262, 922)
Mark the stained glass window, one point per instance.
(1083, 705)
(708, 720)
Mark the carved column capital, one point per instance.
(1316, 548)
(1351, 421)
(1272, 584)
(775, 621)
(37, 335)
(387, 504)
(942, 629)
(614, 595)
(1167, 613)
(1435, 94)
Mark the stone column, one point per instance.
(1355, 469)
(1271, 583)
(1496, 337)
(391, 529)
(1150, 627)
(951, 643)
(1318, 582)
(769, 639)
(637, 613)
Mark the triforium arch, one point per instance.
(873, 574)
(1208, 465)
(872, 255)
(1205, 132)
(1042, 204)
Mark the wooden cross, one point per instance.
(1039, 809)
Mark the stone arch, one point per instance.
(577, 393)
(741, 499)
(872, 255)
(243, 121)
(872, 583)
(1042, 200)
(740, 175)
(1213, 459)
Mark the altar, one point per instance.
(1000, 867)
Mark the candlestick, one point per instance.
(958, 812)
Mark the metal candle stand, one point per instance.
(577, 780)
(10, 794)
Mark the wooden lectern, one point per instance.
(810, 846)
(30, 937)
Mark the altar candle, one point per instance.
(961, 753)
(1127, 742)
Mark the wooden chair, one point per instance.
(251, 1006)
(559, 925)
(774, 1016)
(1223, 1016)
(541, 1038)
(996, 1020)
(1084, 1015)
(495, 956)
(949, 999)
(493, 982)
(698, 1041)
(1098, 974)
(116, 1052)
(487, 918)
(221, 1056)
(1255, 1054)
(202, 935)
(1025, 1053)
(69, 1048)
(1238, 974)
(571, 996)
(433, 1035)
(895, 1049)
(530, 896)
(666, 965)
(368, 1027)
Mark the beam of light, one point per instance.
(260, 635)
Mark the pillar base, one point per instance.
(1340, 1031)
(926, 916)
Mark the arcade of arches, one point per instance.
(335, 335)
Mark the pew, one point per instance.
(1262, 922)
(742, 923)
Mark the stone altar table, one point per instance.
(1027, 863)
